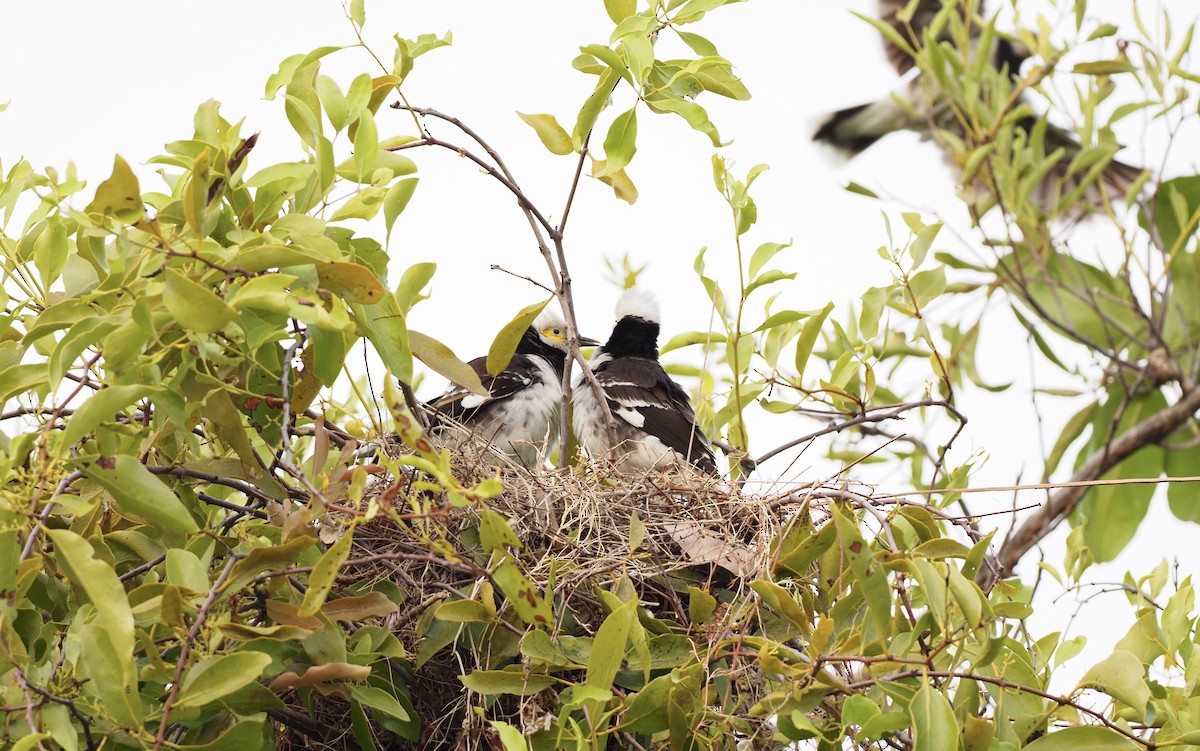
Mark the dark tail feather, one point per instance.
(1121, 176)
(839, 130)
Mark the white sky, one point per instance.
(87, 80)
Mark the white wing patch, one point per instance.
(473, 401)
(631, 416)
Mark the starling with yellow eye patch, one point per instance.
(520, 416)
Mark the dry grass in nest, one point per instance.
(582, 523)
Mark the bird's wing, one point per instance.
(911, 31)
(464, 405)
(641, 393)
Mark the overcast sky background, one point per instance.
(90, 80)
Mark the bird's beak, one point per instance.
(586, 342)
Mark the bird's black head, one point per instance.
(1011, 55)
(636, 332)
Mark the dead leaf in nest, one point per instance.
(357, 607)
(289, 615)
(318, 674)
(700, 545)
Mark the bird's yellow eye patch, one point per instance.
(554, 333)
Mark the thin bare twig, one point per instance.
(877, 414)
(186, 650)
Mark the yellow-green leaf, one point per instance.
(98, 582)
(505, 344)
(442, 359)
(619, 10)
(137, 493)
(493, 682)
(552, 135)
(1122, 676)
(352, 281)
(933, 719)
(195, 306)
(221, 675)
(623, 187)
(119, 195)
(324, 574)
(621, 143)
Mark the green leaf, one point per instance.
(195, 306)
(442, 359)
(463, 611)
(692, 113)
(858, 710)
(510, 737)
(1102, 31)
(31, 741)
(218, 676)
(870, 575)
(504, 346)
(97, 580)
(1104, 67)
(1070, 433)
(1122, 676)
(366, 145)
(186, 570)
(50, 251)
(700, 45)
(1082, 738)
(412, 282)
(609, 57)
(380, 700)
(808, 338)
(591, 109)
(358, 14)
(933, 721)
(396, 201)
(333, 102)
(119, 195)
(782, 602)
(621, 143)
(522, 593)
(619, 10)
(351, 281)
(763, 254)
(1113, 512)
(383, 325)
(701, 605)
(860, 190)
(608, 648)
(552, 135)
(110, 672)
(623, 187)
(494, 682)
(324, 574)
(137, 493)
(101, 406)
(925, 286)
(768, 277)
(364, 204)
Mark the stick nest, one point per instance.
(580, 530)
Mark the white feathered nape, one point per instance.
(639, 303)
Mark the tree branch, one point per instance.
(1150, 431)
